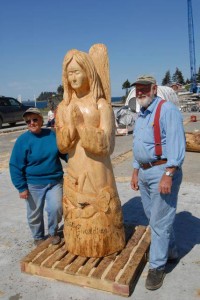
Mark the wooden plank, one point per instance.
(45, 254)
(90, 264)
(140, 230)
(135, 262)
(76, 264)
(28, 258)
(57, 256)
(125, 254)
(65, 261)
(70, 278)
(105, 262)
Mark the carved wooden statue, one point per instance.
(93, 225)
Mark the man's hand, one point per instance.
(166, 181)
(134, 180)
(24, 194)
(165, 184)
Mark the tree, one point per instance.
(178, 77)
(167, 79)
(60, 90)
(126, 85)
(187, 81)
(44, 96)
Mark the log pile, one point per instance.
(192, 141)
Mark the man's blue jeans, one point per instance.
(160, 210)
(50, 197)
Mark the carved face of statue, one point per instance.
(77, 77)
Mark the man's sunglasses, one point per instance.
(35, 120)
(143, 89)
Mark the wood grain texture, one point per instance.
(85, 129)
(192, 141)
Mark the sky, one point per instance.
(142, 37)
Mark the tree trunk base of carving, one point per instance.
(93, 224)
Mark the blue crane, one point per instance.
(193, 86)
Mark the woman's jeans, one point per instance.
(50, 196)
(160, 210)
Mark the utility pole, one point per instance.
(193, 86)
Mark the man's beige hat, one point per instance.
(32, 110)
(145, 79)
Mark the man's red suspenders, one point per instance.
(156, 127)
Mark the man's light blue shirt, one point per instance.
(172, 135)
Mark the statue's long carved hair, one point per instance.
(86, 63)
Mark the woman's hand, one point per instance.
(24, 194)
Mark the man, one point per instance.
(158, 176)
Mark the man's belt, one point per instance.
(153, 163)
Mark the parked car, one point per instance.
(11, 110)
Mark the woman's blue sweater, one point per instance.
(35, 160)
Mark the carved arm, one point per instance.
(96, 140)
(65, 131)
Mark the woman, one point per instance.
(37, 174)
(51, 117)
(85, 129)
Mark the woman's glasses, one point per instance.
(35, 120)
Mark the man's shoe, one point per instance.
(38, 242)
(55, 239)
(154, 279)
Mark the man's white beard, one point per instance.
(144, 101)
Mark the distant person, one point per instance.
(157, 173)
(51, 117)
(37, 174)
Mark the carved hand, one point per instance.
(65, 128)
(77, 117)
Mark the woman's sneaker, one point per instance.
(55, 239)
(38, 242)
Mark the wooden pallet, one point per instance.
(117, 273)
